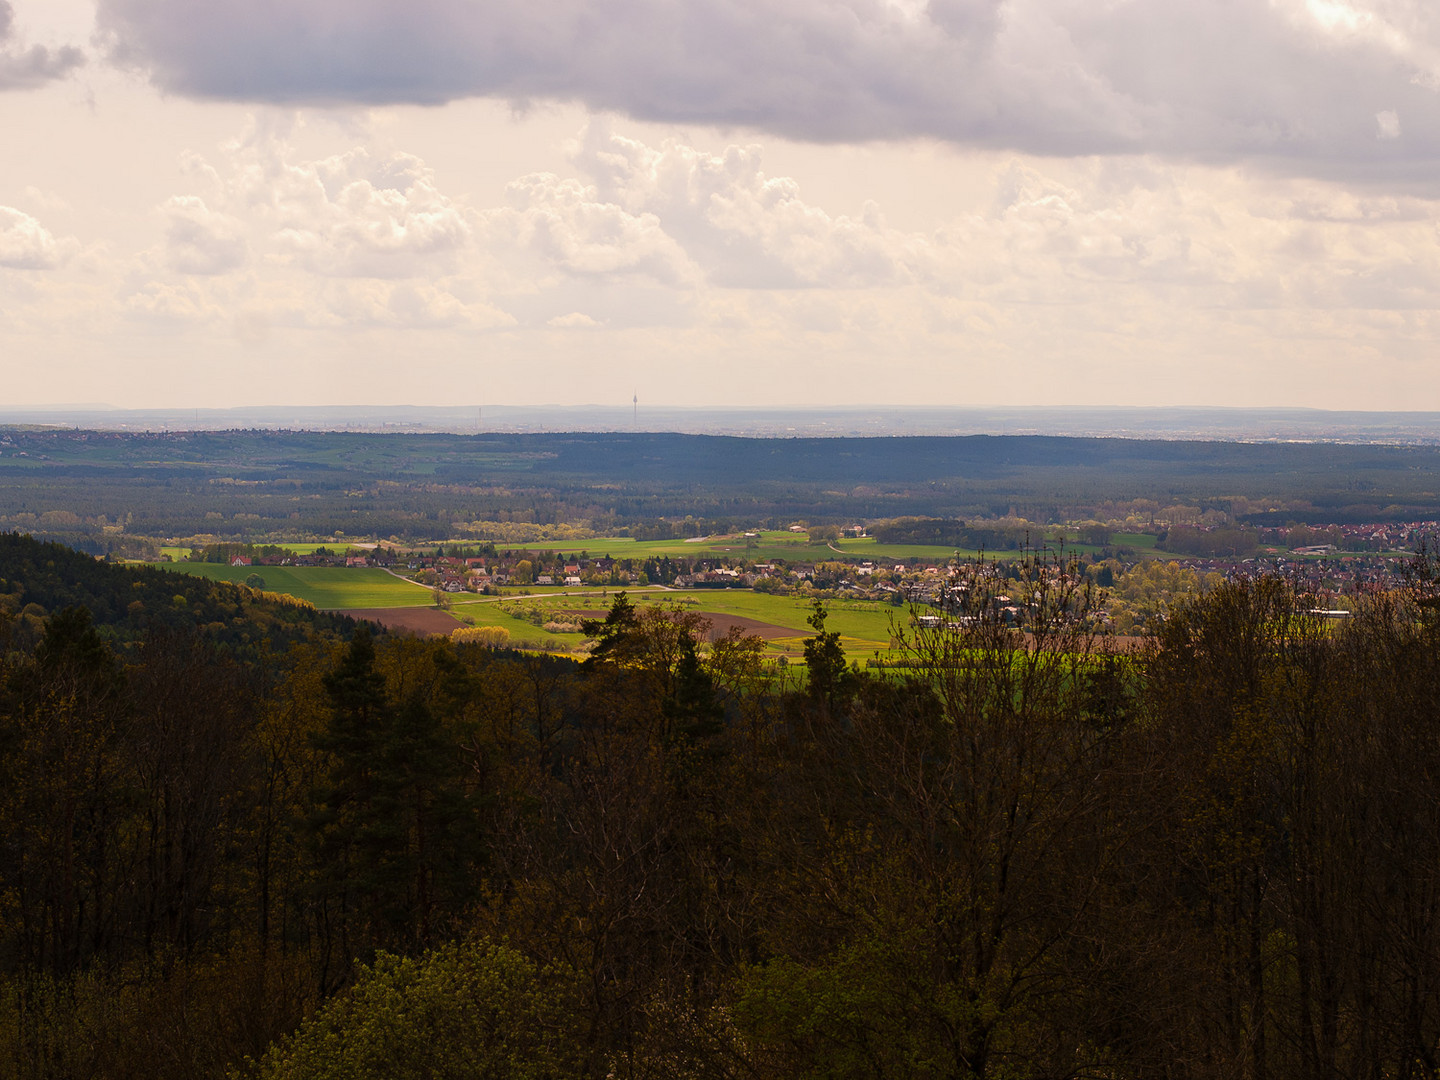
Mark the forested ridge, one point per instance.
(1021, 855)
(109, 491)
(126, 603)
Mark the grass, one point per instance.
(793, 547)
(864, 626)
(1138, 541)
(767, 546)
(331, 587)
(181, 551)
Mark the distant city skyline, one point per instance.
(725, 203)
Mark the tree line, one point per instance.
(120, 492)
(1019, 855)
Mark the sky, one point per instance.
(751, 203)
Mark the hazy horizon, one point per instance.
(1138, 422)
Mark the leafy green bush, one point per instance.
(461, 1011)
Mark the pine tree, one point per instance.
(391, 824)
(829, 679)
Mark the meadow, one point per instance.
(331, 588)
(768, 545)
(778, 544)
(178, 552)
(864, 626)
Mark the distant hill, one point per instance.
(94, 489)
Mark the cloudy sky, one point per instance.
(720, 202)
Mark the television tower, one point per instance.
(636, 419)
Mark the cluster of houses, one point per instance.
(1401, 536)
(456, 574)
(478, 574)
(1342, 575)
(321, 558)
(899, 583)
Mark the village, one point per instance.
(1332, 565)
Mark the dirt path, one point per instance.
(402, 577)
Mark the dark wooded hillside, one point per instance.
(95, 488)
(1016, 855)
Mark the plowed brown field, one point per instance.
(423, 621)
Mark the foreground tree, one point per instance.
(965, 861)
(392, 825)
(463, 1011)
(66, 865)
(828, 680)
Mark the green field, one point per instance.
(792, 547)
(176, 552)
(330, 587)
(1138, 541)
(767, 546)
(864, 626)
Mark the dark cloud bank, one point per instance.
(22, 68)
(1327, 91)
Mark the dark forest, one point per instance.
(236, 843)
(106, 491)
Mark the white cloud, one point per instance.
(200, 240)
(576, 320)
(684, 217)
(642, 227)
(741, 227)
(320, 249)
(1295, 82)
(353, 238)
(352, 214)
(174, 302)
(1387, 125)
(25, 244)
(408, 305)
(564, 223)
